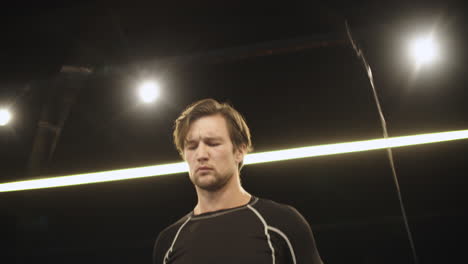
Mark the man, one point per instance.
(228, 224)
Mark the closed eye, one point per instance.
(191, 147)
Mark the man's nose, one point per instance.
(202, 153)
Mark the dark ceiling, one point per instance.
(287, 67)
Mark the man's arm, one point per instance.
(302, 239)
(160, 248)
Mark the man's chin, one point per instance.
(210, 185)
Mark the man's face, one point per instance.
(210, 154)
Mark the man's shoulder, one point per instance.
(287, 222)
(171, 230)
(277, 211)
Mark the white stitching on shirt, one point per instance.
(266, 231)
(197, 217)
(166, 256)
(287, 241)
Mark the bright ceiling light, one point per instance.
(270, 156)
(5, 117)
(424, 50)
(149, 91)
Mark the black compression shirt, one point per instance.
(259, 232)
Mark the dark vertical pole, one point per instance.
(61, 93)
(45, 130)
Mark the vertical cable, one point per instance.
(360, 54)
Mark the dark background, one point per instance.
(288, 68)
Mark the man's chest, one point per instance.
(223, 240)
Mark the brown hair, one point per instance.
(238, 130)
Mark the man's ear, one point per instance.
(240, 153)
(182, 155)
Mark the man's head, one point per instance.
(213, 138)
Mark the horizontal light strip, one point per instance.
(94, 177)
(330, 149)
(270, 156)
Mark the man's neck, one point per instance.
(224, 198)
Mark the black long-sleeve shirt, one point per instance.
(261, 231)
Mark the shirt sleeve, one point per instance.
(302, 239)
(160, 248)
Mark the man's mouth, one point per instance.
(204, 169)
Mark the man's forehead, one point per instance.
(202, 131)
(196, 137)
(208, 127)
